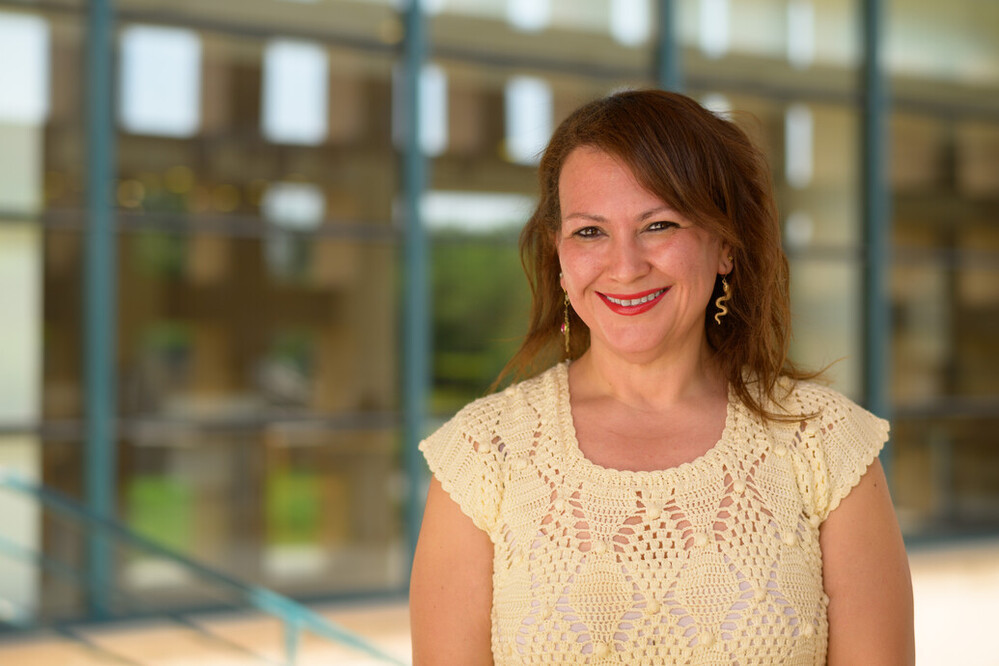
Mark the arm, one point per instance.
(450, 589)
(866, 576)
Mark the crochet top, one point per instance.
(715, 561)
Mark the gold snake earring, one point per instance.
(721, 300)
(565, 320)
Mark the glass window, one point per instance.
(40, 191)
(24, 68)
(257, 335)
(609, 38)
(945, 281)
(484, 188)
(952, 43)
(295, 91)
(780, 31)
(160, 81)
(256, 196)
(528, 117)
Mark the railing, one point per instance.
(294, 617)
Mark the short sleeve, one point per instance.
(464, 457)
(841, 442)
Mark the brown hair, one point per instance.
(708, 170)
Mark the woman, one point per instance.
(676, 491)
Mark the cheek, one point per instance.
(576, 266)
(701, 257)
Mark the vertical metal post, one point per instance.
(669, 65)
(99, 299)
(292, 639)
(876, 216)
(415, 292)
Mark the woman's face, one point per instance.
(639, 274)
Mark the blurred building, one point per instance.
(263, 184)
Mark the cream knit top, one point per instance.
(715, 561)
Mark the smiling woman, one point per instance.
(624, 252)
(675, 490)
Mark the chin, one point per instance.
(638, 348)
(639, 351)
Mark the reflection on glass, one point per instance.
(923, 314)
(20, 303)
(475, 212)
(480, 297)
(800, 33)
(433, 127)
(329, 510)
(717, 104)
(778, 30)
(713, 28)
(799, 229)
(631, 21)
(825, 187)
(298, 206)
(825, 303)
(24, 69)
(957, 40)
(798, 139)
(295, 90)
(529, 109)
(160, 81)
(433, 110)
(291, 207)
(529, 15)
(431, 7)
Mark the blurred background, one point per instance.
(250, 252)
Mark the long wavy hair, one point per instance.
(706, 168)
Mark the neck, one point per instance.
(663, 381)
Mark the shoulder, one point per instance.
(468, 454)
(536, 391)
(810, 401)
(824, 415)
(836, 438)
(500, 416)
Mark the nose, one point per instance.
(628, 261)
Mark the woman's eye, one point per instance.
(662, 225)
(586, 232)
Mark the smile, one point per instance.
(632, 304)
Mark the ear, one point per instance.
(725, 261)
(558, 260)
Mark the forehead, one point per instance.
(594, 179)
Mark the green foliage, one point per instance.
(293, 499)
(167, 337)
(296, 347)
(161, 508)
(481, 303)
(159, 253)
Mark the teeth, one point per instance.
(636, 301)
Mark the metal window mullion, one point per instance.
(99, 312)
(415, 291)
(669, 73)
(876, 216)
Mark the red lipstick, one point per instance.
(625, 304)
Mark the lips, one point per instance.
(633, 304)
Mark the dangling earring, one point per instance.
(721, 300)
(565, 320)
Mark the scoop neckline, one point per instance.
(570, 443)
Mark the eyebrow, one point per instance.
(644, 216)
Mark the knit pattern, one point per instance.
(716, 561)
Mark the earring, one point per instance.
(565, 320)
(721, 300)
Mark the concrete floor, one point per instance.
(956, 591)
(234, 640)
